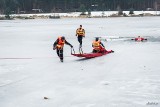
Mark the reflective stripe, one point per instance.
(80, 32)
(96, 45)
(139, 39)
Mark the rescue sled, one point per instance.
(91, 55)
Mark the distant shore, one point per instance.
(95, 14)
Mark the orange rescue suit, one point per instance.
(80, 32)
(60, 43)
(96, 45)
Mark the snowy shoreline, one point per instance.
(95, 14)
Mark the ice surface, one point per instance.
(30, 70)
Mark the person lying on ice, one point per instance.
(58, 45)
(98, 46)
(139, 39)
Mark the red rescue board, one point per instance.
(92, 55)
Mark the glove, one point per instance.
(54, 48)
(71, 46)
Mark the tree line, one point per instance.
(28, 6)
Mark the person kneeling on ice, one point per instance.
(58, 45)
(98, 46)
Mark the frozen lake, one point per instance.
(30, 70)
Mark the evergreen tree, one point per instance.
(74, 5)
(82, 9)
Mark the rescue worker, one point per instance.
(80, 33)
(139, 38)
(58, 45)
(98, 46)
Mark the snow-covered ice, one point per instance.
(30, 70)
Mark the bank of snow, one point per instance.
(77, 14)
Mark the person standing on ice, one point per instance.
(59, 44)
(80, 33)
(98, 46)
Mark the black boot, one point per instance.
(61, 60)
